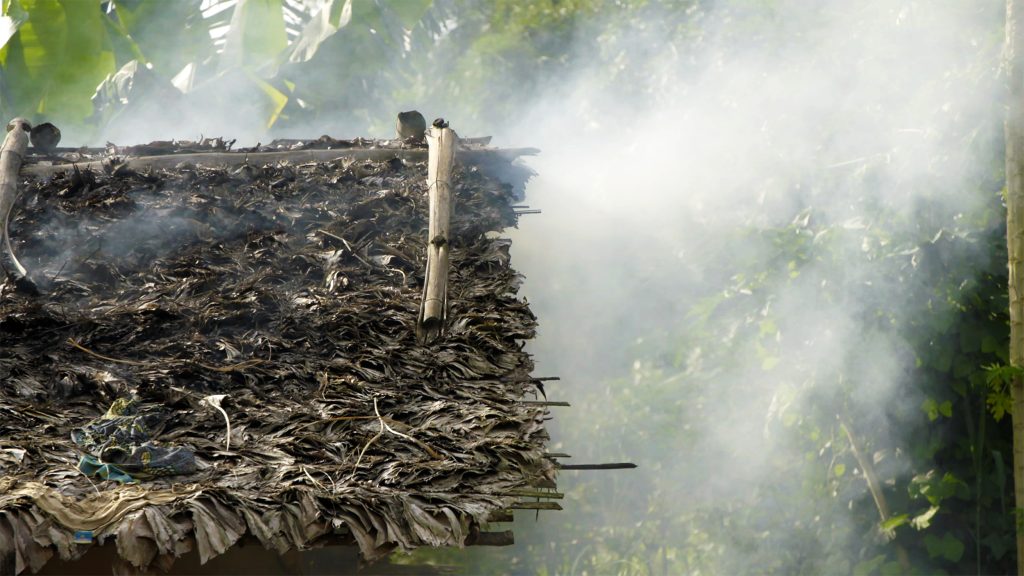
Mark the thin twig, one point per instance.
(867, 468)
(107, 358)
(54, 279)
(433, 453)
(313, 480)
(347, 246)
(334, 419)
(384, 427)
(230, 368)
(94, 486)
(367, 446)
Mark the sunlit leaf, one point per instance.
(336, 14)
(57, 57)
(11, 18)
(409, 12)
(922, 521)
(257, 34)
(277, 100)
(170, 35)
(894, 522)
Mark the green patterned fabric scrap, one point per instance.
(120, 446)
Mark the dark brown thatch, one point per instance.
(293, 290)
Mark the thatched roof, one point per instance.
(293, 289)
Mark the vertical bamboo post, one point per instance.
(11, 153)
(440, 160)
(1014, 134)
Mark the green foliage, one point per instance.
(168, 35)
(53, 62)
(948, 547)
(485, 69)
(998, 377)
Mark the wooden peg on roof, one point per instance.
(440, 160)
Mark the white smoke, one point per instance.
(836, 106)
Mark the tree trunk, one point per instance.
(1015, 243)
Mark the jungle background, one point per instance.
(770, 268)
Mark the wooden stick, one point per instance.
(11, 154)
(441, 143)
(874, 486)
(500, 516)
(609, 466)
(292, 156)
(536, 506)
(536, 494)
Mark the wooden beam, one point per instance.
(291, 156)
(441, 143)
(536, 506)
(608, 466)
(500, 516)
(536, 494)
(503, 538)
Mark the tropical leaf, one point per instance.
(61, 51)
(12, 16)
(257, 34)
(170, 35)
(336, 14)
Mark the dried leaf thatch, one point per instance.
(290, 292)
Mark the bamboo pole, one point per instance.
(441, 142)
(1014, 135)
(11, 154)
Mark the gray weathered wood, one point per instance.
(441, 159)
(503, 538)
(500, 516)
(293, 156)
(536, 506)
(11, 154)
